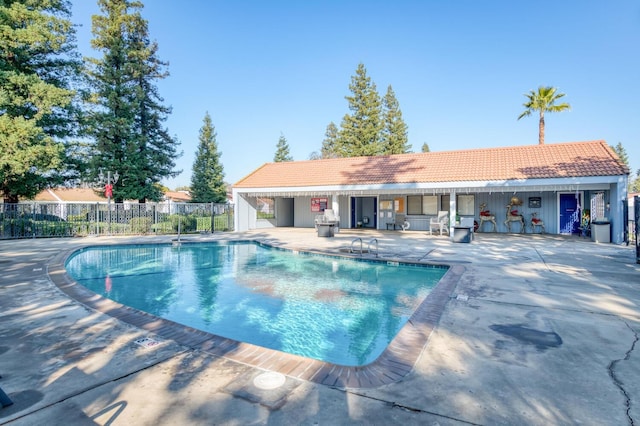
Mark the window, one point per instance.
(430, 204)
(266, 208)
(422, 205)
(414, 204)
(444, 202)
(466, 205)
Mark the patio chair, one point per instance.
(441, 222)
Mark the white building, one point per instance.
(559, 182)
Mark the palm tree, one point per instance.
(543, 101)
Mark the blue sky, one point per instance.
(459, 69)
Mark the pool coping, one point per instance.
(395, 362)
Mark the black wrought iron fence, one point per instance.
(46, 219)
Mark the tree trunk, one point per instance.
(541, 129)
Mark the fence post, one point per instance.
(625, 221)
(179, 222)
(636, 214)
(213, 218)
(33, 220)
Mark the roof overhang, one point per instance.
(525, 185)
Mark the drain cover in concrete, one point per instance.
(269, 389)
(268, 381)
(146, 342)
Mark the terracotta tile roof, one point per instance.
(560, 160)
(69, 194)
(179, 196)
(45, 195)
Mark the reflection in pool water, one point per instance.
(332, 309)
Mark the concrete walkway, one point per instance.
(539, 330)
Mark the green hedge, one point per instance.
(39, 228)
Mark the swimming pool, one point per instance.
(343, 311)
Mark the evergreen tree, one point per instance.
(207, 179)
(395, 138)
(128, 122)
(425, 147)
(360, 132)
(634, 184)
(38, 66)
(330, 142)
(282, 151)
(622, 153)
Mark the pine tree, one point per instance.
(394, 135)
(128, 121)
(38, 66)
(282, 151)
(622, 153)
(330, 142)
(360, 132)
(634, 183)
(207, 179)
(425, 147)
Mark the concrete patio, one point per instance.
(538, 330)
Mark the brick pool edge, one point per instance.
(397, 360)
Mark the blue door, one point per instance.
(569, 214)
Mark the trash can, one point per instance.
(601, 231)
(461, 234)
(326, 230)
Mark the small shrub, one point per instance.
(187, 223)
(204, 224)
(141, 225)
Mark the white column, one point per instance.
(453, 208)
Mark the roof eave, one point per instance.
(554, 184)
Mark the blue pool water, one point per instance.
(332, 309)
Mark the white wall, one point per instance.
(245, 213)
